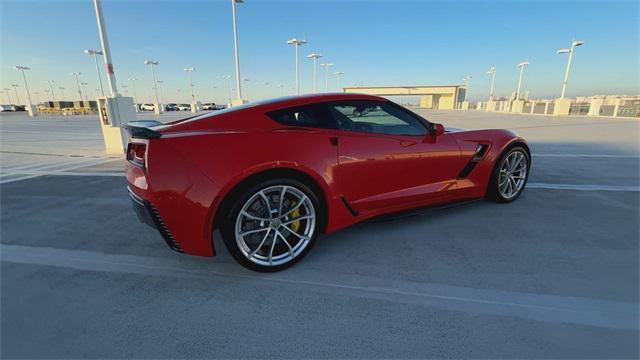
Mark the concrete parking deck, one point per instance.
(553, 275)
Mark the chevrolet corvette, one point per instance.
(270, 176)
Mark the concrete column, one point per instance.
(465, 105)
(533, 106)
(594, 107)
(617, 107)
(491, 105)
(562, 107)
(517, 106)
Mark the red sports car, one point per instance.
(273, 175)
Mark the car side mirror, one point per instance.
(436, 129)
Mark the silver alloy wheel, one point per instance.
(275, 225)
(513, 174)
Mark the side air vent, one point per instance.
(164, 230)
(481, 150)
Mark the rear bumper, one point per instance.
(149, 215)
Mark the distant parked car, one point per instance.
(171, 107)
(7, 107)
(147, 107)
(184, 107)
(209, 106)
(220, 107)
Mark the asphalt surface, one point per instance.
(552, 275)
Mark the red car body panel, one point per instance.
(193, 165)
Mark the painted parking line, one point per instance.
(532, 306)
(552, 186)
(605, 156)
(59, 170)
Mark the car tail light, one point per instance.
(136, 154)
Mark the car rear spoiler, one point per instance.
(141, 129)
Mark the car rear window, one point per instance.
(313, 115)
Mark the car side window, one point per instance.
(314, 115)
(375, 117)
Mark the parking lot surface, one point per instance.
(552, 275)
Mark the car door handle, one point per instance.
(333, 140)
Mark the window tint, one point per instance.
(307, 116)
(375, 117)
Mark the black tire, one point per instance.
(228, 224)
(493, 191)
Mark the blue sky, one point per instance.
(372, 42)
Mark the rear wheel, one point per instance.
(272, 225)
(509, 175)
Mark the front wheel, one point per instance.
(509, 175)
(272, 225)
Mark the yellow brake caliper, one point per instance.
(296, 224)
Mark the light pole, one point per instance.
(315, 57)
(492, 72)
(521, 66)
(61, 91)
(133, 87)
(326, 75)
(15, 88)
(296, 43)
(84, 86)
(153, 76)
(570, 51)
(76, 74)
(338, 74)
(104, 43)
(189, 71)
(95, 54)
(247, 88)
(53, 94)
(466, 80)
(160, 82)
(235, 45)
(228, 82)
(26, 87)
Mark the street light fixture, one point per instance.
(521, 66)
(153, 75)
(160, 82)
(569, 51)
(53, 94)
(338, 74)
(235, 45)
(228, 82)
(76, 74)
(466, 80)
(133, 87)
(315, 57)
(15, 88)
(492, 72)
(247, 88)
(95, 54)
(326, 75)
(84, 86)
(189, 71)
(26, 87)
(296, 43)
